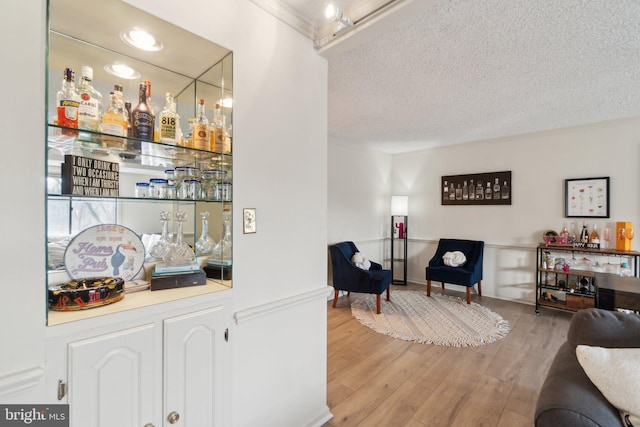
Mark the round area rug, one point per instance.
(438, 319)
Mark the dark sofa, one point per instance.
(567, 396)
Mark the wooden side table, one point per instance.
(613, 292)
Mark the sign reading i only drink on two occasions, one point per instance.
(34, 415)
(84, 176)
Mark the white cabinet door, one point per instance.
(193, 369)
(114, 379)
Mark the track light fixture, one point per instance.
(332, 13)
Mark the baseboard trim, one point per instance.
(321, 419)
(20, 382)
(265, 309)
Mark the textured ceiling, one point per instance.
(459, 71)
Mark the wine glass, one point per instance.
(628, 235)
(606, 236)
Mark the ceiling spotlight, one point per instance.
(141, 39)
(332, 13)
(121, 70)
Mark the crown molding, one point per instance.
(289, 16)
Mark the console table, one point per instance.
(613, 292)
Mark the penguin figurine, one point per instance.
(118, 258)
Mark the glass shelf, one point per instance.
(63, 140)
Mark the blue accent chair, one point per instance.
(348, 277)
(467, 274)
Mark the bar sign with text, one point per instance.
(84, 176)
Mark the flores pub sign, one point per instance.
(83, 176)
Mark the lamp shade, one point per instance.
(399, 205)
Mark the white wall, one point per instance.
(359, 198)
(539, 164)
(280, 157)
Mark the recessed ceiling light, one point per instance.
(123, 71)
(141, 39)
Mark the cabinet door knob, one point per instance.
(173, 417)
(149, 425)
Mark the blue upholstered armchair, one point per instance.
(348, 277)
(467, 274)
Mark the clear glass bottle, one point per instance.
(218, 134)
(458, 192)
(465, 191)
(488, 193)
(142, 119)
(223, 249)
(594, 237)
(472, 190)
(205, 244)
(68, 101)
(90, 107)
(505, 191)
(445, 190)
(179, 252)
(452, 192)
(201, 128)
(160, 249)
(169, 122)
(113, 123)
(496, 189)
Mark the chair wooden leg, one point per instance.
(468, 294)
(348, 294)
(480, 288)
(388, 294)
(335, 298)
(428, 288)
(378, 304)
(442, 284)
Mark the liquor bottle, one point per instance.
(452, 192)
(465, 191)
(117, 91)
(188, 139)
(201, 128)
(68, 101)
(142, 120)
(445, 191)
(505, 191)
(226, 146)
(90, 107)
(169, 122)
(152, 109)
(113, 123)
(488, 193)
(479, 191)
(584, 234)
(496, 190)
(594, 237)
(472, 190)
(458, 192)
(127, 109)
(564, 235)
(219, 133)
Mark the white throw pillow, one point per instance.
(616, 373)
(361, 261)
(454, 259)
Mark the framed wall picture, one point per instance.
(249, 220)
(586, 197)
(491, 188)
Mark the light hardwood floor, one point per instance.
(375, 380)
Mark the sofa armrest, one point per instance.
(603, 328)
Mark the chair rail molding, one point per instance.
(18, 382)
(265, 309)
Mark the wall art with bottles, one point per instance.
(490, 188)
